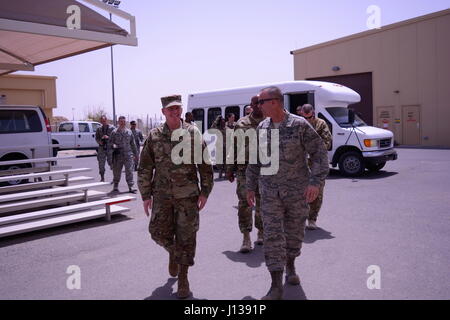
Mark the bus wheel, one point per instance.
(351, 164)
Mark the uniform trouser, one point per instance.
(284, 214)
(173, 225)
(101, 158)
(315, 206)
(123, 161)
(244, 210)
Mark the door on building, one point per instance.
(411, 125)
(361, 83)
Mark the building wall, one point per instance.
(30, 90)
(410, 66)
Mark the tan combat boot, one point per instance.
(276, 289)
(291, 277)
(246, 243)
(183, 283)
(260, 239)
(173, 266)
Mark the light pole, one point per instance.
(114, 3)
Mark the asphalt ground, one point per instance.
(396, 220)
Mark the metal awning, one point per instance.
(34, 32)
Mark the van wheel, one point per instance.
(15, 167)
(374, 167)
(351, 164)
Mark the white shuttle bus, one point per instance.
(356, 146)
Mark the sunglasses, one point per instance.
(262, 101)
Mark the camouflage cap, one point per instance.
(173, 100)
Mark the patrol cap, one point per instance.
(173, 100)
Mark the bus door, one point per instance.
(294, 100)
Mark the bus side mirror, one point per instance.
(351, 116)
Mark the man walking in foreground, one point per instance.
(285, 195)
(171, 191)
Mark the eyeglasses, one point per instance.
(262, 101)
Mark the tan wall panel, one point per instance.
(427, 80)
(408, 65)
(443, 79)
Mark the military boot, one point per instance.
(276, 289)
(116, 187)
(246, 243)
(173, 266)
(183, 283)
(131, 190)
(291, 276)
(260, 239)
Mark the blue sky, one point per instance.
(196, 45)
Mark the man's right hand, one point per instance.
(251, 198)
(230, 176)
(147, 206)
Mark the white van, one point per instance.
(76, 135)
(356, 146)
(25, 133)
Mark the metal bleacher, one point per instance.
(54, 202)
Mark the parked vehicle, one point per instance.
(76, 135)
(25, 133)
(356, 146)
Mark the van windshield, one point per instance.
(340, 115)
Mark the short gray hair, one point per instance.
(274, 92)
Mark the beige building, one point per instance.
(402, 72)
(29, 90)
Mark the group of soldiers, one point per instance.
(119, 147)
(176, 192)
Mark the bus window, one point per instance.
(234, 110)
(299, 99)
(212, 115)
(199, 116)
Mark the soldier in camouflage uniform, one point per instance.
(172, 190)
(102, 135)
(307, 112)
(220, 124)
(122, 148)
(245, 219)
(285, 195)
(138, 138)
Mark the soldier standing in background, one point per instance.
(122, 148)
(220, 124)
(285, 195)
(172, 191)
(307, 111)
(102, 135)
(245, 218)
(138, 138)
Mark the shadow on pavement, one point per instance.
(167, 292)
(315, 235)
(253, 259)
(293, 292)
(367, 175)
(39, 234)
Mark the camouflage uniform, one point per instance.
(223, 131)
(175, 190)
(244, 210)
(122, 155)
(283, 203)
(322, 129)
(102, 153)
(138, 138)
